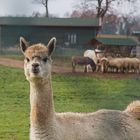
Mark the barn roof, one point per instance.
(116, 40)
(34, 21)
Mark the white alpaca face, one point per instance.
(37, 66)
(37, 62)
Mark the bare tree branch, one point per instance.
(101, 6)
(45, 4)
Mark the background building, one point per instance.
(70, 32)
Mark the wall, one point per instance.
(68, 37)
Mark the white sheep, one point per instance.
(112, 64)
(125, 64)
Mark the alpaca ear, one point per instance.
(51, 45)
(23, 44)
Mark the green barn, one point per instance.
(70, 32)
(116, 45)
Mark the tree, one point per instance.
(116, 24)
(103, 7)
(36, 14)
(82, 9)
(45, 4)
(100, 7)
(114, 20)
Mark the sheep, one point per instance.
(120, 64)
(111, 64)
(104, 64)
(95, 56)
(116, 64)
(134, 64)
(91, 54)
(82, 61)
(126, 64)
(131, 64)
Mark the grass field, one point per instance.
(71, 93)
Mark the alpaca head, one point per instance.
(37, 62)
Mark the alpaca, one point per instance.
(46, 124)
(79, 60)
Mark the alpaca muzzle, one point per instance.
(35, 68)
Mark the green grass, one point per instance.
(87, 94)
(71, 93)
(15, 57)
(14, 102)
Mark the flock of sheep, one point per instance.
(125, 64)
(98, 62)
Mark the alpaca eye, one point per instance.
(27, 59)
(45, 59)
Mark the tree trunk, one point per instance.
(47, 11)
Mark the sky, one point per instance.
(127, 8)
(56, 7)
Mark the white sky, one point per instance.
(57, 7)
(127, 8)
(27, 7)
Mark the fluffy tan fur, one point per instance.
(134, 109)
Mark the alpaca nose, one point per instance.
(35, 68)
(35, 65)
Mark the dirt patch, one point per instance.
(11, 63)
(67, 70)
(19, 64)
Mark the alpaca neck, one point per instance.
(41, 100)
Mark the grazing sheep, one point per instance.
(111, 64)
(104, 65)
(120, 64)
(79, 60)
(134, 64)
(126, 64)
(131, 65)
(116, 64)
(94, 56)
